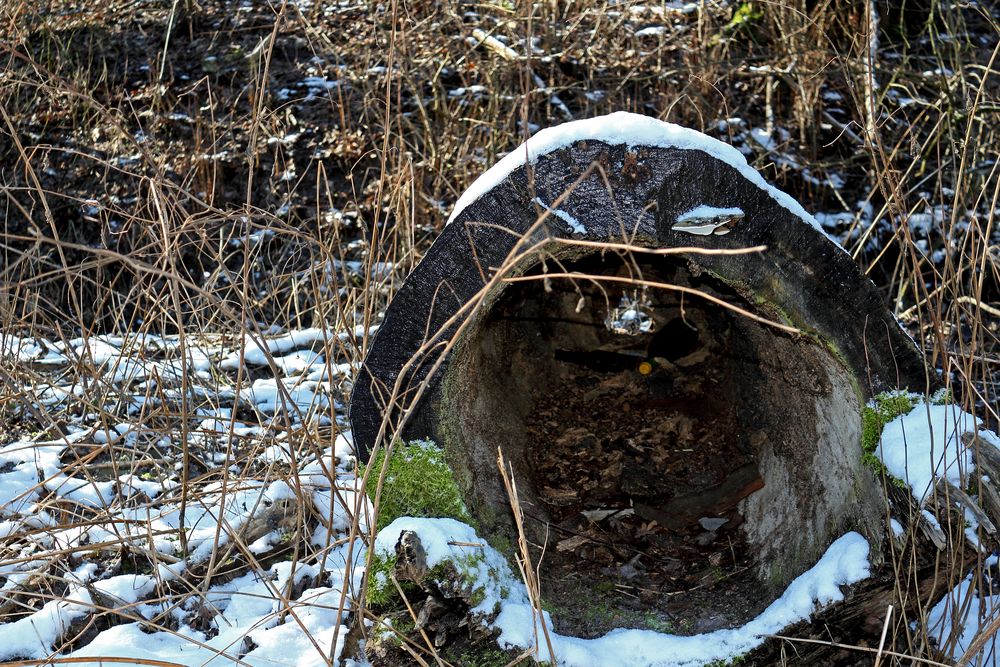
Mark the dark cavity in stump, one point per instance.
(646, 428)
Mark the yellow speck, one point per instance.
(645, 368)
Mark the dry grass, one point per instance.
(203, 170)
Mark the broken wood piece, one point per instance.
(683, 511)
(957, 495)
(931, 529)
(984, 455)
(572, 543)
(989, 498)
(411, 559)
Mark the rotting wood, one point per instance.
(771, 419)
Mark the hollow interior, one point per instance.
(678, 462)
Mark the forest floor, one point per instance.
(208, 203)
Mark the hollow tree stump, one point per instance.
(665, 434)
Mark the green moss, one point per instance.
(942, 396)
(600, 613)
(880, 411)
(465, 573)
(737, 660)
(486, 656)
(388, 630)
(379, 590)
(772, 310)
(418, 483)
(502, 543)
(746, 13)
(592, 610)
(605, 587)
(404, 625)
(653, 622)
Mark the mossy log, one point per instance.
(644, 391)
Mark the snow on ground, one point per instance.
(845, 562)
(954, 622)
(96, 496)
(770, 142)
(91, 514)
(252, 612)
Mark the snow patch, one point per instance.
(844, 563)
(925, 445)
(956, 621)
